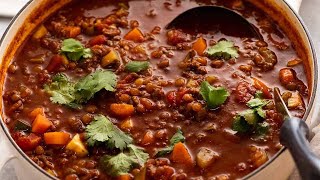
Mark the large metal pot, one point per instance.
(278, 167)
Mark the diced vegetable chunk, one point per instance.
(41, 32)
(206, 157)
(56, 138)
(55, 63)
(295, 101)
(22, 125)
(181, 154)
(263, 87)
(124, 177)
(134, 35)
(41, 124)
(200, 46)
(258, 156)
(101, 39)
(148, 138)
(110, 58)
(33, 114)
(123, 110)
(28, 143)
(77, 146)
(72, 31)
(126, 124)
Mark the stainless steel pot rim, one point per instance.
(307, 113)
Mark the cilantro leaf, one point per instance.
(249, 119)
(240, 125)
(101, 130)
(256, 102)
(117, 165)
(176, 138)
(93, 83)
(75, 50)
(250, 116)
(61, 90)
(140, 156)
(124, 162)
(137, 66)
(261, 112)
(259, 94)
(214, 96)
(224, 50)
(262, 128)
(65, 92)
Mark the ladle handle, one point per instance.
(294, 135)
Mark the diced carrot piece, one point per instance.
(134, 35)
(56, 62)
(33, 114)
(180, 154)
(124, 177)
(101, 39)
(72, 31)
(123, 110)
(56, 138)
(261, 86)
(200, 45)
(148, 138)
(41, 32)
(41, 124)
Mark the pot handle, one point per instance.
(5, 152)
(294, 4)
(294, 134)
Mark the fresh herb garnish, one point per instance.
(249, 119)
(61, 90)
(74, 50)
(214, 96)
(102, 130)
(176, 138)
(224, 50)
(65, 92)
(93, 83)
(137, 66)
(124, 162)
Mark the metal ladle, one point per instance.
(214, 19)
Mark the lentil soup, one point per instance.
(102, 90)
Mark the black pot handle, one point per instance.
(294, 135)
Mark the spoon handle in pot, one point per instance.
(293, 134)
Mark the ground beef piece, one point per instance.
(266, 59)
(244, 92)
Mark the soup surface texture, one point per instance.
(102, 90)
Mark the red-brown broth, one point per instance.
(234, 161)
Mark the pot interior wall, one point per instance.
(39, 10)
